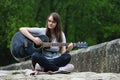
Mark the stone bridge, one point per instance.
(103, 58)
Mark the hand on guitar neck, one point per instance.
(70, 47)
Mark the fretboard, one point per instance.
(47, 44)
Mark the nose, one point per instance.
(50, 23)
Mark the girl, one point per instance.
(54, 58)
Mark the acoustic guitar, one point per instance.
(22, 48)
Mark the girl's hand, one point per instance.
(70, 47)
(37, 41)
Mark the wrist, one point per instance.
(67, 51)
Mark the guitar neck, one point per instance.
(47, 44)
(79, 44)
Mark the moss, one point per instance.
(14, 73)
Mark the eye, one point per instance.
(51, 21)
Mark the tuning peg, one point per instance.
(85, 45)
(82, 44)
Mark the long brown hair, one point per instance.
(57, 29)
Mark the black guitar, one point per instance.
(22, 47)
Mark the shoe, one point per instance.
(34, 73)
(67, 68)
(63, 70)
(39, 68)
(30, 72)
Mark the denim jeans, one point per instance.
(50, 64)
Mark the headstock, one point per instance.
(81, 44)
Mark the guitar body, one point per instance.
(22, 47)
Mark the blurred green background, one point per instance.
(93, 21)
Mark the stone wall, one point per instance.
(104, 57)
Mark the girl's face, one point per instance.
(51, 23)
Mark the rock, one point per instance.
(17, 66)
(77, 79)
(104, 57)
(20, 75)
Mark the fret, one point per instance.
(46, 44)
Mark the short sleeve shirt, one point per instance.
(55, 49)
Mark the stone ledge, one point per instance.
(104, 57)
(20, 75)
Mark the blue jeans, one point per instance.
(52, 64)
